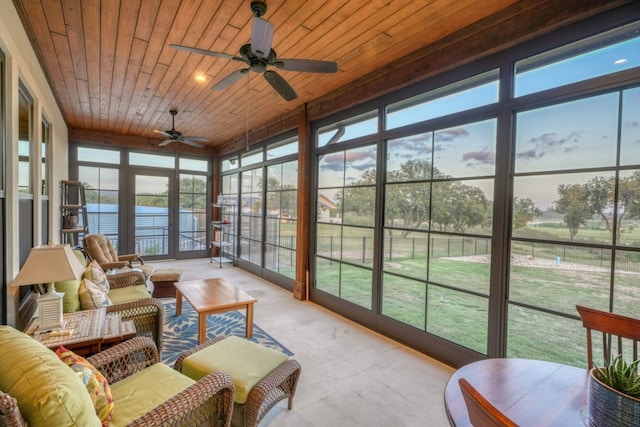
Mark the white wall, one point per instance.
(21, 65)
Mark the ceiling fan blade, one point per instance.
(307, 65)
(167, 134)
(261, 37)
(230, 79)
(206, 52)
(196, 138)
(280, 85)
(165, 142)
(190, 142)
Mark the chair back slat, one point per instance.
(482, 413)
(624, 330)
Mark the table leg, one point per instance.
(178, 303)
(249, 320)
(202, 328)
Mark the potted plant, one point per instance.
(614, 394)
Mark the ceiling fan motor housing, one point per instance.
(258, 8)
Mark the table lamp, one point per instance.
(49, 264)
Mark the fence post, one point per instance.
(364, 248)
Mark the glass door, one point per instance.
(152, 210)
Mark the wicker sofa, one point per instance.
(129, 296)
(38, 389)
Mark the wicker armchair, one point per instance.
(147, 313)
(207, 402)
(98, 247)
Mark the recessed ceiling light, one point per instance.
(620, 61)
(200, 78)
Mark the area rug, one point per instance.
(181, 332)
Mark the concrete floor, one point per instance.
(350, 375)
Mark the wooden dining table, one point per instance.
(530, 392)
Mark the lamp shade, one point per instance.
(48, 264)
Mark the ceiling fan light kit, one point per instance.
(258, 55)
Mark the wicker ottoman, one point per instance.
(262, 376)
(163, 280)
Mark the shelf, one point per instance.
(221, 244)
(223, 232)
(74, 223)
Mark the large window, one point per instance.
(149, 203)
(264, 182)
(25, 148)
(99, 171)
(484, 209)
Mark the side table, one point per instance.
(86, 332)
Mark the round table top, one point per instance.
(530, 392)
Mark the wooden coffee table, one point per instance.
(212, 296)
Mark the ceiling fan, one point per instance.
(174, 136)
(259, 55)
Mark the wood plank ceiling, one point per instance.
(112, 70)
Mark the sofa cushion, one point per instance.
(96, 274)
(141, 392)
(128, 293)
(96, 384)
(91, 296)
(70, 288)
(246, 363)
(71, 298)
(48, 392)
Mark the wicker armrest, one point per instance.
(207, 402)
(130, 258)
(126, 358)
(10, 415)
(126, 278)
(178, 364)
(117, 264)
(147, 314)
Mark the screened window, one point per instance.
(152, 160)
(596, 56)
(98, 155)
(469, 93)
(281, 218)
(355, 127)
(44, 155)
(345, 215)
(102, 197)
(25, 135)
(574, 212)
(251, 158)
(192, 215)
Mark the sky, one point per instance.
(573, 135)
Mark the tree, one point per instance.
(600, 193)
(524, 211)
(574, 204)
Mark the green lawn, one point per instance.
(462, 317)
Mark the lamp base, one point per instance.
(50, 310)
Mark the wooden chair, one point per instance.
(625, 330)
(481, 412)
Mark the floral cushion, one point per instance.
(94, 381)
(96, 274)
(92, 296)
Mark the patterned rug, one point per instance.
(181, 332)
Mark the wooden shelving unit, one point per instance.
(223, 231)
(73, 211)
